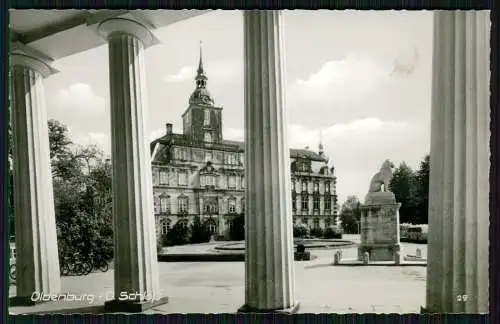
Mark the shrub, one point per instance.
(178, 235)
(237, 232)
(332, 233)
(316, 232)
(300, 230)
(199, 232)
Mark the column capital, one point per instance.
(130, 26)
(23, 55)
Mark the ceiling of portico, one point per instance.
(60, 33)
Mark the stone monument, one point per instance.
(380, 219)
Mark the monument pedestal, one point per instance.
(380, 227)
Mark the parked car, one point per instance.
(414, 233)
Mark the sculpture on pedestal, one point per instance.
(380, 219)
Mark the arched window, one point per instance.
(206, 120)
(210, 207)
(183, 222)
(211, 225)
(164, 204)
(183, 204)
(316, 223)
(208, 137)
(231, 205)
(165, 226)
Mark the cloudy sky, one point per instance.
(362, 77)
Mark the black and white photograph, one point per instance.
(260, 161)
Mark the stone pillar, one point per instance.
(136, 265)
(457, 268)
(37, 259)
(269, 267)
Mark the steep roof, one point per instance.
(240, 145)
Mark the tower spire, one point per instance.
(200, 64)
(321, 148)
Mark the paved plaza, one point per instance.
(218, 287)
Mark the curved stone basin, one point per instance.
(309, 244)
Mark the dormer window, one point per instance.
(206, 120)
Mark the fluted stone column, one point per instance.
(136, 265)
(269, 267)
(37, 260)
(457, 271)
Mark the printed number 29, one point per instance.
(462, 298)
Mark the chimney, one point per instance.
(169, 128)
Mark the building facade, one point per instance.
(199, 173)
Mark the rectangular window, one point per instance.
(157, 205)
(163, 177)
(208, 156)
(328, 202)
(316, 186)
(182, 178)
(316, 203)
(293, 185)
(210, 180)
(203, 181)
(165, 204)
(242, 182)
(305, 203)
(327, 186)
(294, 203)
(304, 186)
(232, 181)
(183, 205)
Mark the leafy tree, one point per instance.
(403, 186)
(178, 234)
(332, 233)
(237, 232)
(350, 215)
(199, 231)
(422, 192)
(300, 230)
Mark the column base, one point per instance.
(22, 301)
(130, 306)
(290, 310)
(424, 310)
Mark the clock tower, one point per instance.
(202, 120)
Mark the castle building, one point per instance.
(199, 173)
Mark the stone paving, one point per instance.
(218, 287)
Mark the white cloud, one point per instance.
(233, 134)
(343, 82)
(103, 141)
(80, 99)
(216, 71)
